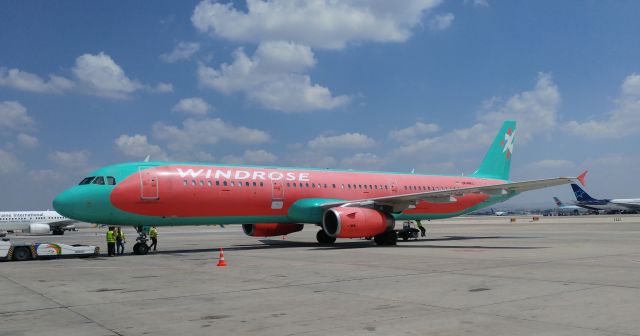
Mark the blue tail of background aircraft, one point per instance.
(581, 195)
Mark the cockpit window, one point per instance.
(111, 180)
(99, 180)
(86, 180)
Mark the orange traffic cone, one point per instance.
(221, 261)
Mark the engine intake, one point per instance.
(270, 229)
(350, 222)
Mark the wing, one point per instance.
(401, 202)
(61, 224)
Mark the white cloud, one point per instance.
(347, 140)
(307, 158)
(73, 159)
(535, 111)
(26, 81)
(478, 3)
(138, 146)
(412, 133)
(45, 175)
(362, 161)
(9, 163)
(207, 131)
(27, 141)
(97, 75)
(182, 51)
(274, 78)
(101, 76)
(623, 120)
(14, 116)
(441, 22)
(550, 163)
(162, 88)
(259, 156)
(320, 23)
(195, 106)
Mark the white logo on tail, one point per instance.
(508, 142)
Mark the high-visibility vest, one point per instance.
(120, 235)
(110, 237)
(153, 233)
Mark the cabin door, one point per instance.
(149, 188)
(277, 195)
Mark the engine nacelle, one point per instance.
(348, 222)
(39, 228)
(270, 229)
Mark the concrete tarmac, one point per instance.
(472, 275)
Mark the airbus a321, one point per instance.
(274, 201)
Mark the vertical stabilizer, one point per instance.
(558, 202)
(497, 162)
(581, 195)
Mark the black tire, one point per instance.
(387, 238)
(22, 253)
(324, 239)
(58, 232)
(576, 212)
(140, 249)
(405, 238)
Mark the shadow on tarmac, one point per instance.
(281, 244)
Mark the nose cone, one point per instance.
(66, 202)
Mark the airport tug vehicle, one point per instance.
(26, 251)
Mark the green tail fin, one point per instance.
(497, 161)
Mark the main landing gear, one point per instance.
(386, 238)
(324, 239)
(141, 247)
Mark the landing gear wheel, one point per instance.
(58, 232)
(140, 249)
(386, 238)
(21, 254)
(324, 238)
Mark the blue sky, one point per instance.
(357, 84)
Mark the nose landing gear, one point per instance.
(141, 247)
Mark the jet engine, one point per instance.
(270, 229)
(350, 222)
(39, 228)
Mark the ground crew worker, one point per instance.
(111, 242)
(120, 240)
(423, 231)
(153, 233)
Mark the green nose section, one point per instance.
(66, 203)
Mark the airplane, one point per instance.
(37, 222)
(275, 201)
(608, 205)
(499, 213)
(569, 209)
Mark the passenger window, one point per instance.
(307, 184)
(185, 182)
(111, 180)
(224, 183)
(99, 180)
(261, 184)
(86, 180)
(201, 183)
(365, 186)
(294, 184)
(246, 184)
(288, 184)
(217, 182)
(209, 183)
(232, 183)
(254, 183)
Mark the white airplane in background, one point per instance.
(499, 213)
(38, 222)
(566, 209)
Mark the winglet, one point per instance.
(581, 178)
